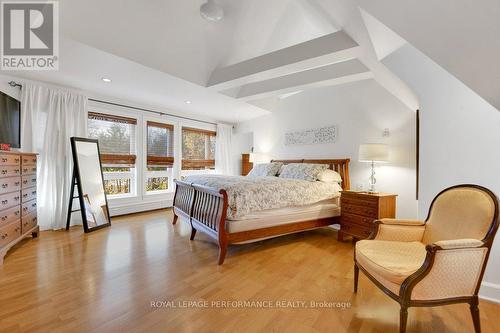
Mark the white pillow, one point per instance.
(330, 176)
(265, 169)
(303, 171)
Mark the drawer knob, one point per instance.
(4, 218)
(4, 202)
(4, 172)
(4, 159)
(5, 185)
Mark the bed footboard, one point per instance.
(205, 208)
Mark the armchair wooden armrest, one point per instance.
(404, 231)
(459, 243)
(402, 222)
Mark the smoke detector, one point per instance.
(211, 11)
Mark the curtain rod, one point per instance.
(15, 84)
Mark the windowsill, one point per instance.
(152, 193)
(120, 196)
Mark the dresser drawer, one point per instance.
(29, 169)
(356, 231)
(28, 207)
(28, 194)
(10, 159)
(28, 181)
(9, 200)
(28, 222)
(359, 210)
(10, 171)
(10, 215)
(9, 233)
(29, 159)
(10, 184)
(357, 219)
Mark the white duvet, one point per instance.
(252, 194)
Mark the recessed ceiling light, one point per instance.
(105, 79)
(187, 102)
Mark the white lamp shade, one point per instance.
(373, 152)
(258, 158)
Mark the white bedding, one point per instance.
(248, 195)
(273, 217)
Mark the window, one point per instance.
(198, 149)
(116, 137)
(160, 156)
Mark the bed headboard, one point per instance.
(339, 165)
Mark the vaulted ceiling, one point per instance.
(162, 53)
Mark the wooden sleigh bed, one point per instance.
(206, 210)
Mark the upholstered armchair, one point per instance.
(437, 261)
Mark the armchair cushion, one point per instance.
(400, 233)
(392, 261)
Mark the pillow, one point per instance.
(303, 171)
(265, 169)
(329, 176)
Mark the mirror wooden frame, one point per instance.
(78, 182)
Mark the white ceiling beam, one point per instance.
(338, 73)
(328, 49)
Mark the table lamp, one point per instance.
(373, 153)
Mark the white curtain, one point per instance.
(49, 118)
(223, 156)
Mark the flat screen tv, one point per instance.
(10, 121)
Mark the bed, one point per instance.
(238, 209)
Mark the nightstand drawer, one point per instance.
(357, 219)
(368, 202)
(357, 231)
(359, 210)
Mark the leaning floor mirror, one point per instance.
(89, 182)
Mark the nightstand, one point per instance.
(360, 209)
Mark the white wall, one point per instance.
(460, 139)
(361, 110)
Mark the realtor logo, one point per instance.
(30, 35)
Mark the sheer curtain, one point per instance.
(49, 118)
(223, 156)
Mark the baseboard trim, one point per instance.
(490, 292)
(131, 208)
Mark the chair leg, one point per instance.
(474, 311)
(356, 277)
(175, 219)
(193, 233)
(403, 318)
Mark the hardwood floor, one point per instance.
(105, 282)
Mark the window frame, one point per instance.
(198, 162)
(126, 159)
(171, 174)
